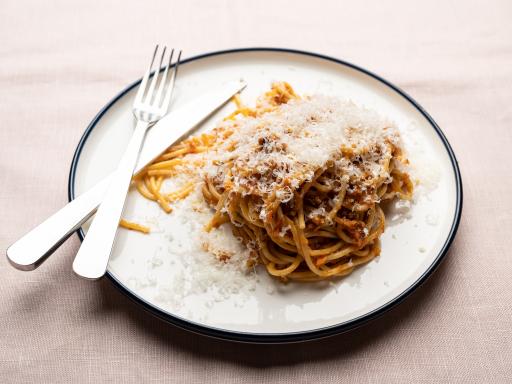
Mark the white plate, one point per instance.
(150, 269)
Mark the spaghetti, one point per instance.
(301, 181)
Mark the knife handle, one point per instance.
(31, 250)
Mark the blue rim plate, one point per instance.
(283, 337)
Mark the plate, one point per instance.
(166, 273)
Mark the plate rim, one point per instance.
(296, 336)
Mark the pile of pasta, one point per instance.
(301, 181)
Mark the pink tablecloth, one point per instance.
(61, 61)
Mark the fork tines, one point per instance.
(146, 95)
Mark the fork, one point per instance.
(149, 106)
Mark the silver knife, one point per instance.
(31, 250)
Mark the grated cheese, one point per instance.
(278, 151)
(214, 265)
(432, 219)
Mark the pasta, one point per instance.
(134, 226)
(301, 181)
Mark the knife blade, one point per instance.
(33, 249)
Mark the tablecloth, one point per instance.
(61, 61)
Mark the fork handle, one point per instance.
(92, 258)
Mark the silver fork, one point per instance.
(149, 106)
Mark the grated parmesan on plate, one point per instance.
(214, 264)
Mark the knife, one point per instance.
(33, 249)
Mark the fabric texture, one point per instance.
(61, 61)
